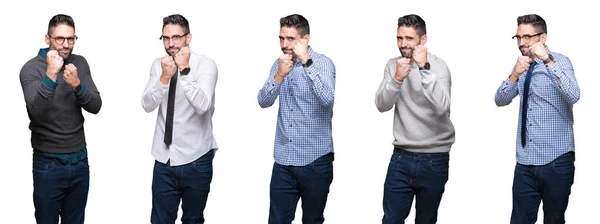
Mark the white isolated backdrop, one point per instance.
(120, 40)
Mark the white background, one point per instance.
(120, 40)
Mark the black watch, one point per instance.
(77, 89)
(427, 66)
(308, 63)
(549, 59)
(185, 71)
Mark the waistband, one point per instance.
(437, 155)
(66, 158)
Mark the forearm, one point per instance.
(506, 93)
(38, 93)
(564, 80)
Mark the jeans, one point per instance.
(420, 175)
(310, 182)
(189, 183)
(550, 183)
(59, 189)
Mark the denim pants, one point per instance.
(59, 189)
(310, 183)
(189, 183)
(550, 183)
(420, 175)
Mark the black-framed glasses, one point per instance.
(525, 37)
(175, 38)
(61, 40)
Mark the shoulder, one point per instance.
(322, 60)
(434, 59)
(201, 60)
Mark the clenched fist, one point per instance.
(54, 64)
(538, 50)
(301, 50)
(168, 69)
(182, 57)
(70, 76)
(420, 55)
(285, 67)
(402, 69)
(522, 65)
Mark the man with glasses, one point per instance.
(417, 86)
(57, 84)
(182, 85)
(545, 146)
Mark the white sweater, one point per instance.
(422, 113)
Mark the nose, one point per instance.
(65, 44)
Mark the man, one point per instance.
(545, 166)
(57, 84)
(183, 84)
(418, 85)
(304, 81)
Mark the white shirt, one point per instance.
(194, 108)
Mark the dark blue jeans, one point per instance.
(59, 189)
(310, 182)
(420, 175)
(189, 183)
(550, 183)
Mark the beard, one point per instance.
(407, 54)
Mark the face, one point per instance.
(526, 37)
(408, 39)
(65, 34)
(174, 38)
(288, 37)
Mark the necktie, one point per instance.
(524, 107)
(170, 110)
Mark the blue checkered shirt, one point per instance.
(305, 110)
(552, 93)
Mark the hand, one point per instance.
(301, 50)
(54, 64)
(538, 50)
(521, 66)
(168, 69)
(402, 69)
(70, 76)
(420, 55)
(285, 66)
(182, 58)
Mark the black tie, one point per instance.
(170, 110)
(524, 107)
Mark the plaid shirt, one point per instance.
(305, 110)
(552, 93)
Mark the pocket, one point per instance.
(43, 166)
(439, 166)
(566, 167)
(395, 158)
(322, 166)
(204, 163)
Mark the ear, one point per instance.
(423, 39)
(188, 38)
(47, 38)
(543, 38)
(307, 38)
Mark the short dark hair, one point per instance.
(538, 23)
(60, 19)
(297, 21)
(177, 19)
(413, 21)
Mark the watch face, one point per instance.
(427, 65)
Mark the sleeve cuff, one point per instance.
(49, 83)
(82, 91)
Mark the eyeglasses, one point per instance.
(61, 40)
(175, 38)
(525, 38)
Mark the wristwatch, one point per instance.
(427, 66)
(308, 63)
(549, 59)
(185, 71)
(77, 89)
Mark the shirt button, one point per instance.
(290, 140)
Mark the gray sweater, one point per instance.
(422, 113)
(56, 119)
